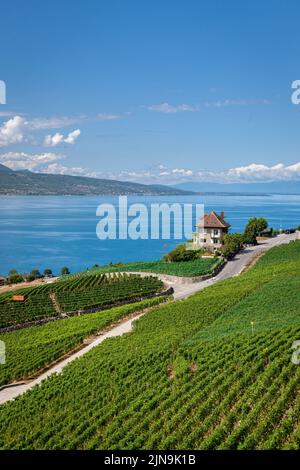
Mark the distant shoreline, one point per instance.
(153, 195)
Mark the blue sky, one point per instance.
(151, 91)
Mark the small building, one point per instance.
(210, 231)
(2, 281)
(18, 298)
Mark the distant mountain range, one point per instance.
(275, 187)
(25, 182)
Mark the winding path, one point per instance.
(181, 291)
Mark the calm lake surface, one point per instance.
(56, 231)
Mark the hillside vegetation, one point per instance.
(211, 372)
(30, 349)
(25, 182)
(197, 267)
(81, 292)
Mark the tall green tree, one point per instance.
(65, 270)
(15, 278)
(36, 274)
(253, 228)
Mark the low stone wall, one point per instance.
(180, 279)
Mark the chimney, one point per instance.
(222, 215)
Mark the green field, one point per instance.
(197, 267)
(81, 292)
(31, 349)
(211, 372)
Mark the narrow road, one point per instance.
(13, 391)
(233, 267)
(181, 291)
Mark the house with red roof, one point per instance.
(210, 231)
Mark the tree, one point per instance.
(12, 271)
(48, 272)
(253, 228)
(36, 274)
(250, 235)
(14, 278)
(29, 277)
(65, 270)
(233, 243)
(261, 224)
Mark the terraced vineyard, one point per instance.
(78, 293)
(98, 290)
(38, 305)
(211, 372)
(30, 349)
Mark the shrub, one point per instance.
(253, 228)
(15, 278)
(180, 253)
(233, 243)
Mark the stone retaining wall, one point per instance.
(180, 279)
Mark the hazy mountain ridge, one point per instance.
(27, 183)
(274, 187)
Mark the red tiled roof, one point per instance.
(213, 220)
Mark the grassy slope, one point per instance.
(197, 267)
(30, 349)
(192, 375)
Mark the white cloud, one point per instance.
(46, 162)
(9, 113)
(182, 172)
(56, 122)
(72, 136)
(107, 117)
(12, 131)
(245, 174)
(56, 139)
(49, 162)
(53, 140)
(231, 102)
(25, 161)
(173, 109)
(19, 130)
(260, 172)
(58, 169)
(59, 122)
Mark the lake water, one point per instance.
(56, 231)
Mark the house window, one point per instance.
(216, 231)
(203, 240)
(216, 240)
